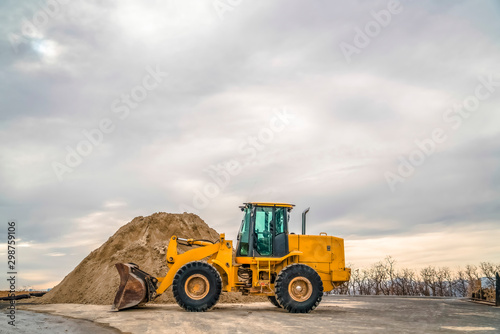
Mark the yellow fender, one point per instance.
(176, 261)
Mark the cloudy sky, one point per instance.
(381, 116)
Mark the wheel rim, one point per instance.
(197, 286)
(300, 289)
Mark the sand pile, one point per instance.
(143, 241)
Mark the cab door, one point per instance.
(280, 232)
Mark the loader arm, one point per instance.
(137, 287)
(175, 261)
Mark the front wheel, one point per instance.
(298, 288)
(197, 286)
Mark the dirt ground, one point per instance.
(365, 314)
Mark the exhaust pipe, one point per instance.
(304, 220)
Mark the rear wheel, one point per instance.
(298, 288)
(274, 301)
(197, 286)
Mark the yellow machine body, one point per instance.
(323, 253)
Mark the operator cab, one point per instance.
(264, 230)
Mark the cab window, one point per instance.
(263, 231)
(280, 220)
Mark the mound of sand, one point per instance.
(143, 241)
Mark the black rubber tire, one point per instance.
(274, 301)
(214, 291)
(283, 281)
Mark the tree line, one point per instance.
(384, 278)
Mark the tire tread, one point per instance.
(281, 287)
(209, 269)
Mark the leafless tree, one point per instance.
(489, 270)
(406, 283)
(461, 284)
(383, 278)
(428, 275)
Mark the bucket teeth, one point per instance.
(136, 287)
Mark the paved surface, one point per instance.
(334, 315)
(32, 322)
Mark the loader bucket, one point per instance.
(136, 287)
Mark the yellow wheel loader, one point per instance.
(292, 270)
